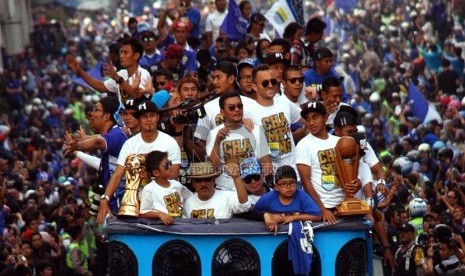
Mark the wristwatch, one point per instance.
(104, 196)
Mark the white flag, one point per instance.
(280, 15)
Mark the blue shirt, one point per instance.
(115, 139)
(311, 78)
(301, 203)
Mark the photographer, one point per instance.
(182, 111)
(449, 262)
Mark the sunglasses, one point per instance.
(161, 83)
(234, 107)
(254, 177)
(293, 80)
(147, 39)
(265, 83)
(288, 184)
(167, 165)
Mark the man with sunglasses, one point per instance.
(275, 116)
(152, 55)
(232, 142)
(163, 80)
(147, 140)
(224, 79)
(293, 83)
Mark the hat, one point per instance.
(202, 170)
(275, 58)
(131, 104)
(315, 106)
(246, 62)
(150, 32)
(344, 118)
(160, 98)
(322, 53)
(145, 107)
(226, 67)
(257, 17)
(180, 24)
(407, 228)
(110, 104)
(67, 183)
(250, 166)
(285, 171)
(174, 51)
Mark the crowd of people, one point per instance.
(175, 115)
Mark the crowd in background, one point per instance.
(380, 49)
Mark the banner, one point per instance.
(421, 108)
(234, 25)
(280, 15)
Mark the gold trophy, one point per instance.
(135, 177)
(347, 162)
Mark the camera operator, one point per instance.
(443, 256)
(182, 108)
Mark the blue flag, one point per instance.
(234, 25)
(420, 107)
(346, 5)
(297, 6)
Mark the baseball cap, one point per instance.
(344, 118)
(145, 107)
(323, 52)
(160, 98)
(407, 228)
(131, 104)
(246, 62)
(180, 24)
(226, 67)
(250, 166)
(275, 58)
(174, 51)
(315, 106)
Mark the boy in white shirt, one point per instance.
(163, 197)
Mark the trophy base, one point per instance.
(128, 211)
(352, 207)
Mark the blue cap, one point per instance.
(250, 166)
(160, 98)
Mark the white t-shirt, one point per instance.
(332, 115)
(113, 87)
(276, 121)
(365, 176)
(370, 156)
(137, 146)
(238, 145)
(213, 23)
(214, 118)
(168, 200)
(284, 98)
(222, 205)
(320, 156)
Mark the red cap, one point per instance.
(180, 24)
(174, 51)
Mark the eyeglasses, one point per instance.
(234, 107)
(161, 83)
(167, 165)
(255, 177)
(246, 78)
(288, 184)
(148, 39)
(265, 83)
(293, 80)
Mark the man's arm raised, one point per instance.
(76, 68)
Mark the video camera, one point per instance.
(191, 111)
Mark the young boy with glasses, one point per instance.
(286, 203)
(162, 198)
